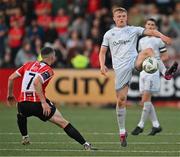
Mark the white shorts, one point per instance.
(123, 74)
(149, 82)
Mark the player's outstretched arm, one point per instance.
(102, 58)
(156, 33)
(10, 96)
(39, 91)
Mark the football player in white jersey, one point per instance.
(122, 41)
(150, 83)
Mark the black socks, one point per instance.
(75, 134)
(22, 124)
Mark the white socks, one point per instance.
(153, 117)
(145, 113)
(121, 117)
(148, 110)
(23, 137)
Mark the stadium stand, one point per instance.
(74, 27)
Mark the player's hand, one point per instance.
(11, 100)
(166, 39)
(46, 108)
(104, 70)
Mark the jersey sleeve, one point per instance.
(162, 46)
(105, 41)
(139, 47)
(140, 30)
(21, 70)
(46, 75)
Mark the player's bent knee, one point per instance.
(142, 103)
(60, 121)
(143, 100)
(63, 123)
(146, 98)
(20, 116)
(121, 102)
(148, 52)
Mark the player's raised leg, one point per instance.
(72, 132)
(142, 56)
(121, 113)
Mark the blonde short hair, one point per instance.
(115, 9)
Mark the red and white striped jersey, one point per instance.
(29, 72)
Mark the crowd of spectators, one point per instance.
(74, 28)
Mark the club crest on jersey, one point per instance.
(46, 75)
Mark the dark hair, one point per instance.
(153, 20)
(46, 51)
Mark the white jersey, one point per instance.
(151, 82)
(155, 43)
(122, 43)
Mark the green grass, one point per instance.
(98, 126)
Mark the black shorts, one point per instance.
(27, 109)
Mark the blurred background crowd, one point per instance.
(75, 28)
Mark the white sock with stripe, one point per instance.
(153, 117)
(121, 117)
(145, 113)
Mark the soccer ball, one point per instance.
(150, 65)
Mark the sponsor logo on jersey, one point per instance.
(121, 42)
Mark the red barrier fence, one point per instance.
(4, 74)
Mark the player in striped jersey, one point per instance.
(32, 101)
(122, 41)
(149, 84)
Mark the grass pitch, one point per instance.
(98, 126)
